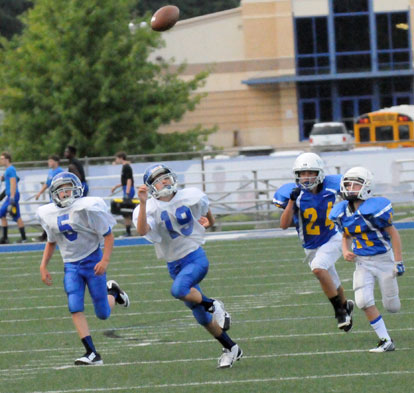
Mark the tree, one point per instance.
(188, 8)
(77, 75)
(9, 10)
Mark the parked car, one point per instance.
(330, 136)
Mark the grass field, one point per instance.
(281, 319)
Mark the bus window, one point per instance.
(364, 134)
(384, 133)
(404, 131)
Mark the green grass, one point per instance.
(281, 319)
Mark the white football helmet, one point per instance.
(67, 184)
(360, 176)
(308, 162)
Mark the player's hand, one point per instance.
(46, 276)
(12, 201)
(349, 256)
(100, 267)
(204, 221)
(142, 193)
(295, 194)
(399, 268)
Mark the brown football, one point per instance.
(165, 18)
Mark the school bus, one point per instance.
(391, 127)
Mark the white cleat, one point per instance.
(229, 356)
(221, 316)
(122, 297)
(89, 359)
(383, 346)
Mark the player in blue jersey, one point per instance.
(76, 225)
(175, 221)
(366, 223)
(11, 204)
(307, 204)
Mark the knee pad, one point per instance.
(102, 310)
(364, 295)
(178, 290)
(392, 304)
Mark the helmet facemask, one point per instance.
(356, 176)
(309, 182)
(65, 189)
(167, 189)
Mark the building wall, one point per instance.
(253, 40)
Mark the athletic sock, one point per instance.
(337, 305)
(5, 232)
(22, 233)
(225, 340)
(207, 303)
(378, 325)
(88, 344)
(128, 229)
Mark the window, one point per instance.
(345, 6)
(312, 45)
(392, 41)
(364, 134)
(384, 133)
(404, 132)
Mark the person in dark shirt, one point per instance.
(76, 167)
(127, 184)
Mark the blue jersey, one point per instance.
(366, 225)
(51, 174)
(9, 174)
(311, 211)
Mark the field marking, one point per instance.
(48, 367)
(234, 381)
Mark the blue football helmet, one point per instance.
(70, 184)
(156, 174)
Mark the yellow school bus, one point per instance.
(391, 127)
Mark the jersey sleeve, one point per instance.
(337, 212)
(41, 218)
(99, 218)
(378, 211)
(152, 235)
(282, 195)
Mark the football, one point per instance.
(165, 18)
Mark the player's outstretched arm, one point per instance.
(47, 255)
(142, 225)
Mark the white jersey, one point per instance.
(78, 228)
(175, 230)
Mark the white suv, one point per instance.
(330, 136)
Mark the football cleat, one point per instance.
(344, 319)
(229, 356)
(121, 296)
(4, 240)
(383, 346)
(350, 312)
(220, 315)
(89, 359)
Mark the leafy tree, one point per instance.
(9, 10)
(188, 8)
(77, 75)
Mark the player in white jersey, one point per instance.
(366, 223)
(77, 225)
(175, 221)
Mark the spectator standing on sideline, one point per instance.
(366, 223)
(76, 167)
(77, 226)
(54, 169)
(11, 204)
(127, 184)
